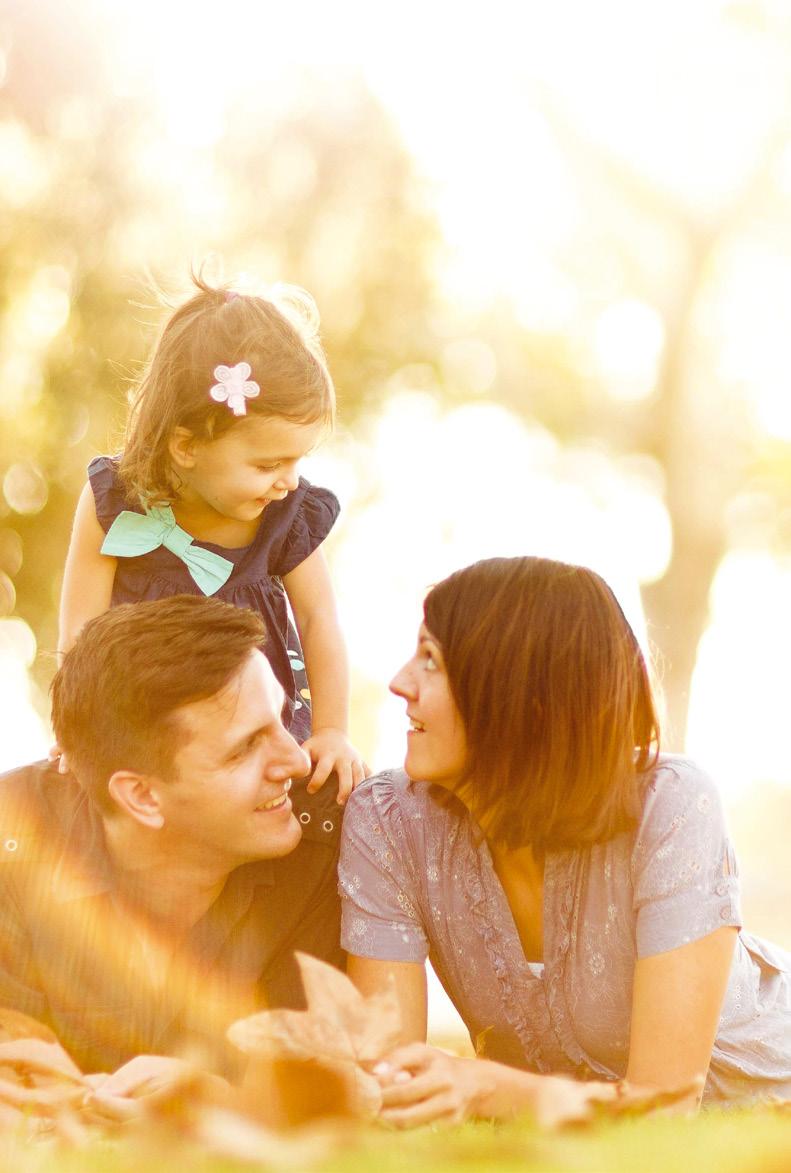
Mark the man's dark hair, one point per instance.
(115, 695)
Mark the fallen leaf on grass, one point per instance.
(216, 1121)
(560, 1102)
(633, 1100)
(335, 1038)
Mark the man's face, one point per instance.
(226, 799)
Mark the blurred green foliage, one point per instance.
(317, 191)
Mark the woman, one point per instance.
(576, 892)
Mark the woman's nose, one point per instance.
(402, 683)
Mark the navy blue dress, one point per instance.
(290, 530)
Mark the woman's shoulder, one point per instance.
(392, 797)
(680, 799)
(388, 790)
(675, 778)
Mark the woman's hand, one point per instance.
(330, 749)
(421, 1085)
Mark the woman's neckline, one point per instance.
(521, 877)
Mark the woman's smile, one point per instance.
(436, 743)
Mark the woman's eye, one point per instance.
(430, 662)
(268, 467)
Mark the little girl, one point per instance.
(206, 498)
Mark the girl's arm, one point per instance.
(312, 600)
(676, 1003)
(409, 981)
(88, 576)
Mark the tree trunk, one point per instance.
(676, 608)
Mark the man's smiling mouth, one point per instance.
(275, 803)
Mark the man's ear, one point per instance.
(135, 795)
(182, 445)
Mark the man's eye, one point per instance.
(268, 467)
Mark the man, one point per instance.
(160, 892)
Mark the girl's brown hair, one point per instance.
(278, 338)
(555, 697)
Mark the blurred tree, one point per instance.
(95, 193)
(701, 433)
(725, 481)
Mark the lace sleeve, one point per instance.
(684, 871)
(380, 917)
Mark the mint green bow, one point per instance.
(133, 534)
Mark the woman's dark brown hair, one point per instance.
(555, 697)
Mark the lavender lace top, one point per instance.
(417, 881)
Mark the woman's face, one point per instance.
(436, 743)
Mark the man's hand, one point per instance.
(144, 1079)
(330, 749)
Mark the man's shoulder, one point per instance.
(37, 805)
(319, 814)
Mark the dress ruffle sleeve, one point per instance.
(379, 916)
(108, 495)
(314, 518)
(684, 871)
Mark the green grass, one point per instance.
(731, 1142)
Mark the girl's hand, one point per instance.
(330, 749)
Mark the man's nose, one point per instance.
(289, 759)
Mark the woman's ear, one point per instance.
(133, 794)
(182, 445)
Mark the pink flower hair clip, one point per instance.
(234, 387)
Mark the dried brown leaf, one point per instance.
(337, 1036)
(226, 1134)
(296, 1034)
(560, 1102)
(640, 1101)
(339, 1025)
(373, 1024)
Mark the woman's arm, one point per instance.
(676, 1003)
(310, 593)
(409, 981)
(88, 575)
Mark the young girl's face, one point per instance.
(255, 462)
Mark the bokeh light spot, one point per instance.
(25, 488)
